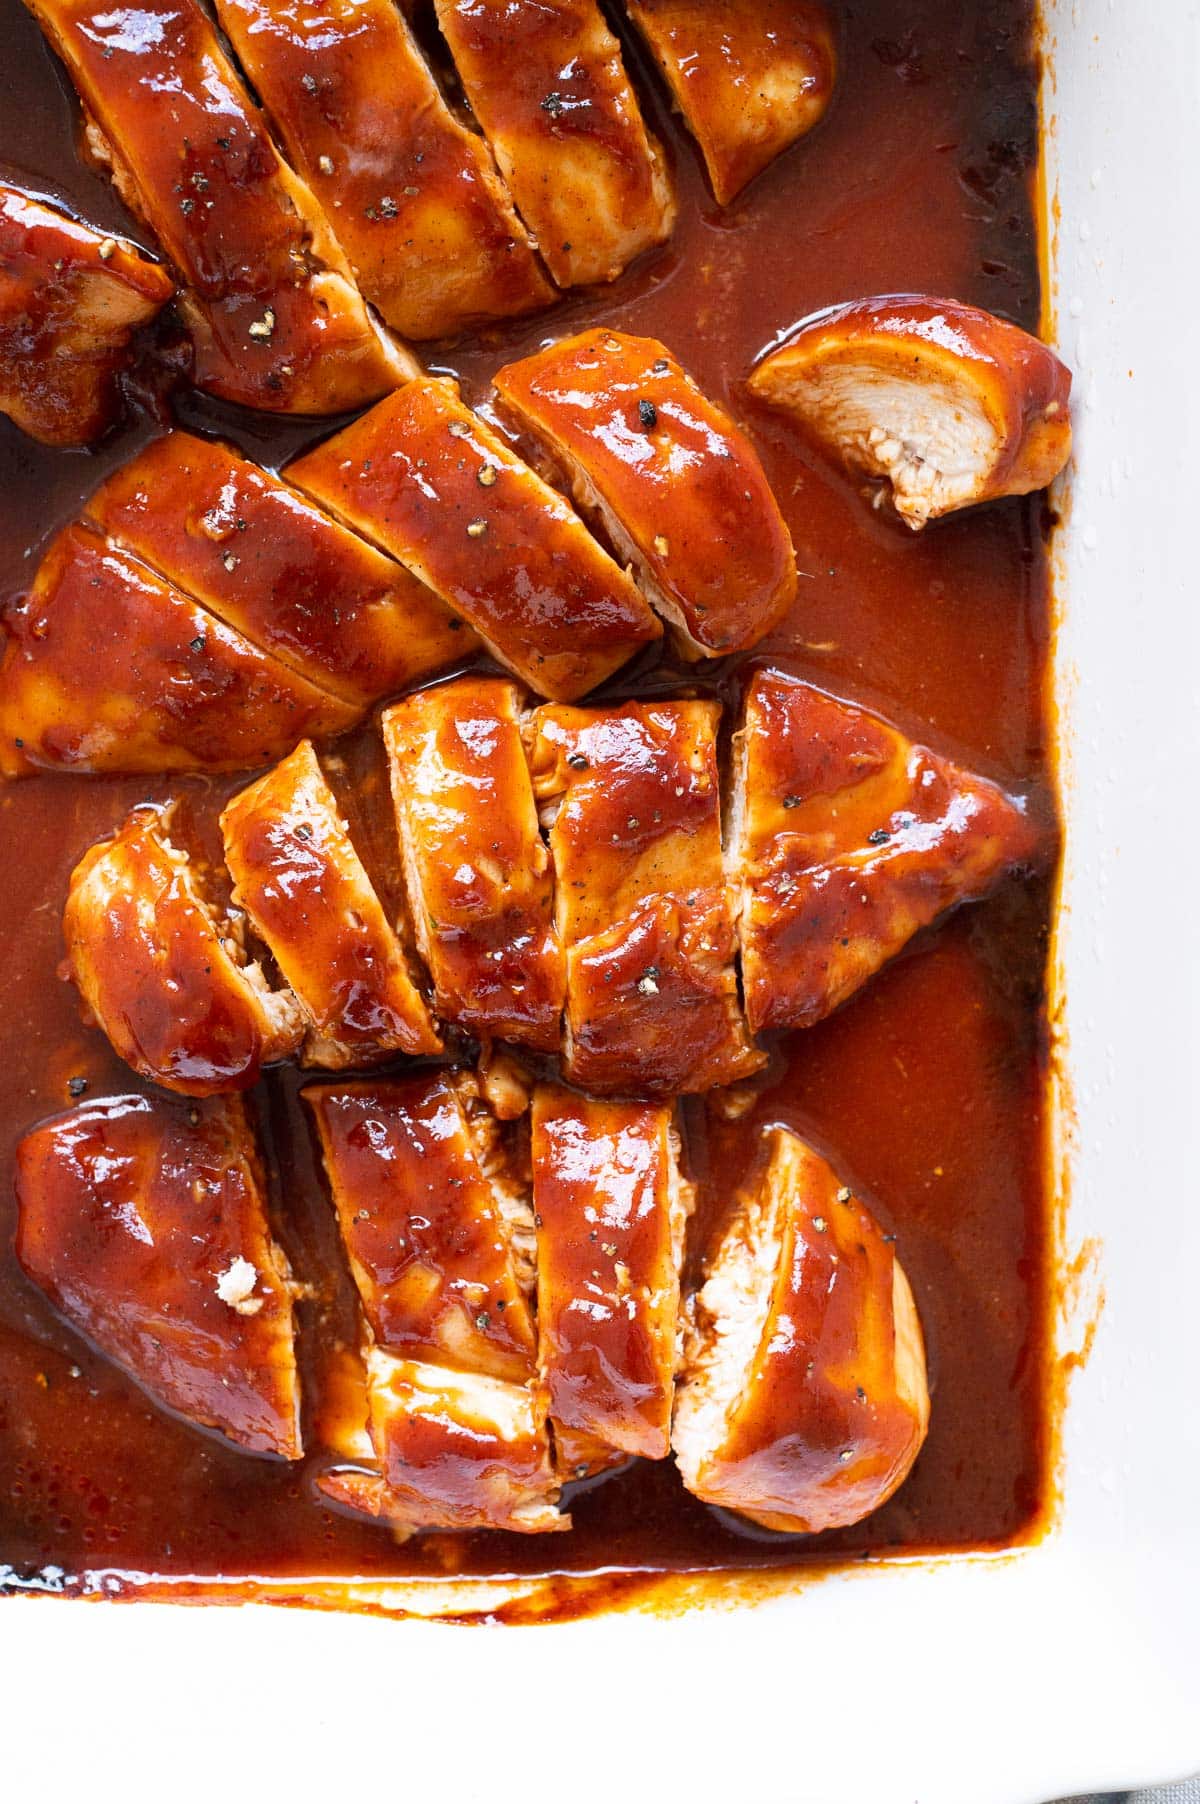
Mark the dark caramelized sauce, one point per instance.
(927, 1090)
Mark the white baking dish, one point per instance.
(976, 1680)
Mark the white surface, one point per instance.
(978, 1681)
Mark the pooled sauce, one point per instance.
(926, 1090)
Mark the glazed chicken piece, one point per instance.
(455, 1450)
(413, 196)
(270, 301)
(678, 487)
(298, 877)
(942, 404)
(611, 1209)
(439, 1236)
(546, 82)
(273, 567)
(477, 868)
(428, 482)
(144, 1221)
(163, 974)
(71, 298)
(640, 900)
(803, 1398)
(847, 839)
(109, 668)
(748, 76)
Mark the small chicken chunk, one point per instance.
(70, 300)
(144, 1221)
(276, 320)
(641, 905)
(297, 875)
(847, 839)
(477, 868)
(439, 1235)
(546, 82)
(678, 487)
(413, 196)
(455, 1451)
(943, 405)
(165, 977)
(749, 76)
(611, 1209)
(803, 1399)
(109, 668)
(424, 479)
(272, 566)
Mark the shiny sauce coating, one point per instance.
(927, 1089)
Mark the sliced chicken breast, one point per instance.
(846, 839)
(426, 480)
(477, 868)
(297, 875)
(748, 76)
(678, 487)
(803, 1399)
(275, 317)
(641, 907)
(546, 82)
(165, 976)
(272, 566)
(611, 1209)
(455, 1451)
(438, 1232)
(109, 668)
(942, 404)
(412, 196)
(70, 300)
(143, 1219)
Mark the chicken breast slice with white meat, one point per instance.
(163, 974)
(846, 839)
(678, 486)
(298, 877)
(803, 1399)
(546, 82)
(478, 871)
(942, 404)
(144, 1220)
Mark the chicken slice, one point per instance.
(144, 1221)
(438, 1233)
(641, 906)
(164, 976)
(413, 196)
(269, 298)
(749, 76)
(846, 839)
(455, 1451)
(803, 1399)
(611, 1209)
(477, 868)
(427, 481)
(109, 668)
(271, 565)
(546, 82)
(678, 486)
(70, 300)
(945, 405)
(298, 877)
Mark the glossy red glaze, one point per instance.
(678, 485)
(411, 194)
(611, 1211)
(70, 299)
(275, 318)
(131, 1212)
